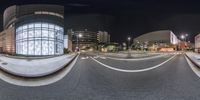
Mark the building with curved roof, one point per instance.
(33, 30)
(163, 40)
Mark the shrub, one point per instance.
(66, 51)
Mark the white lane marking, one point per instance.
(138, 58)
(38, 81)
(96, 57)
(129, 71)
(84, 57)
(103, 57)
(193, 67)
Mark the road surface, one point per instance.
(89, 80)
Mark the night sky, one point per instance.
(125, 18)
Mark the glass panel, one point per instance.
(19, 48)
(25, 27)
(31, 48)
(44, 25)
(20, 36)
(25, 47)
(24, 35)
(51, 34)
(51, 47)
(51, 26)
(56, 28)
(37, 33)
(19, 29)
(30, 26)
(37, 24)
(37, 47)
(44, 33)
(44, 47)
(31, 33)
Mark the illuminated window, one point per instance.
(39, 39)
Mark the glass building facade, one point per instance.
(39, 38)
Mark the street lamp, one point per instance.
(77, 40)
(129, 54)
(80, 35)
(182, 36)
(129, 39)
(186, 35)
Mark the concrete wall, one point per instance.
(7, 41)
(197, 43)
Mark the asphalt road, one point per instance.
(89, 80)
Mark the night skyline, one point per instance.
(128, 18)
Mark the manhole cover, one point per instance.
(4, 63)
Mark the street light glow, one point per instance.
(182, 37)
(80, 35)
(129, 38)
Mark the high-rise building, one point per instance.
(83, 40)
(103, 37)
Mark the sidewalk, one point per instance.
(34, 67)
(194, 57)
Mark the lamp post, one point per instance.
(184, 38)
(129, 39)
(129, 54)
(186, 35)
(77, 40)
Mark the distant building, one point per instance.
(69, 37)
(103, 37)
(66, 44)
(87, 40)
(164, 40)
(111, 47)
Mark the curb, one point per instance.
(193, 61)
(39, 75)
